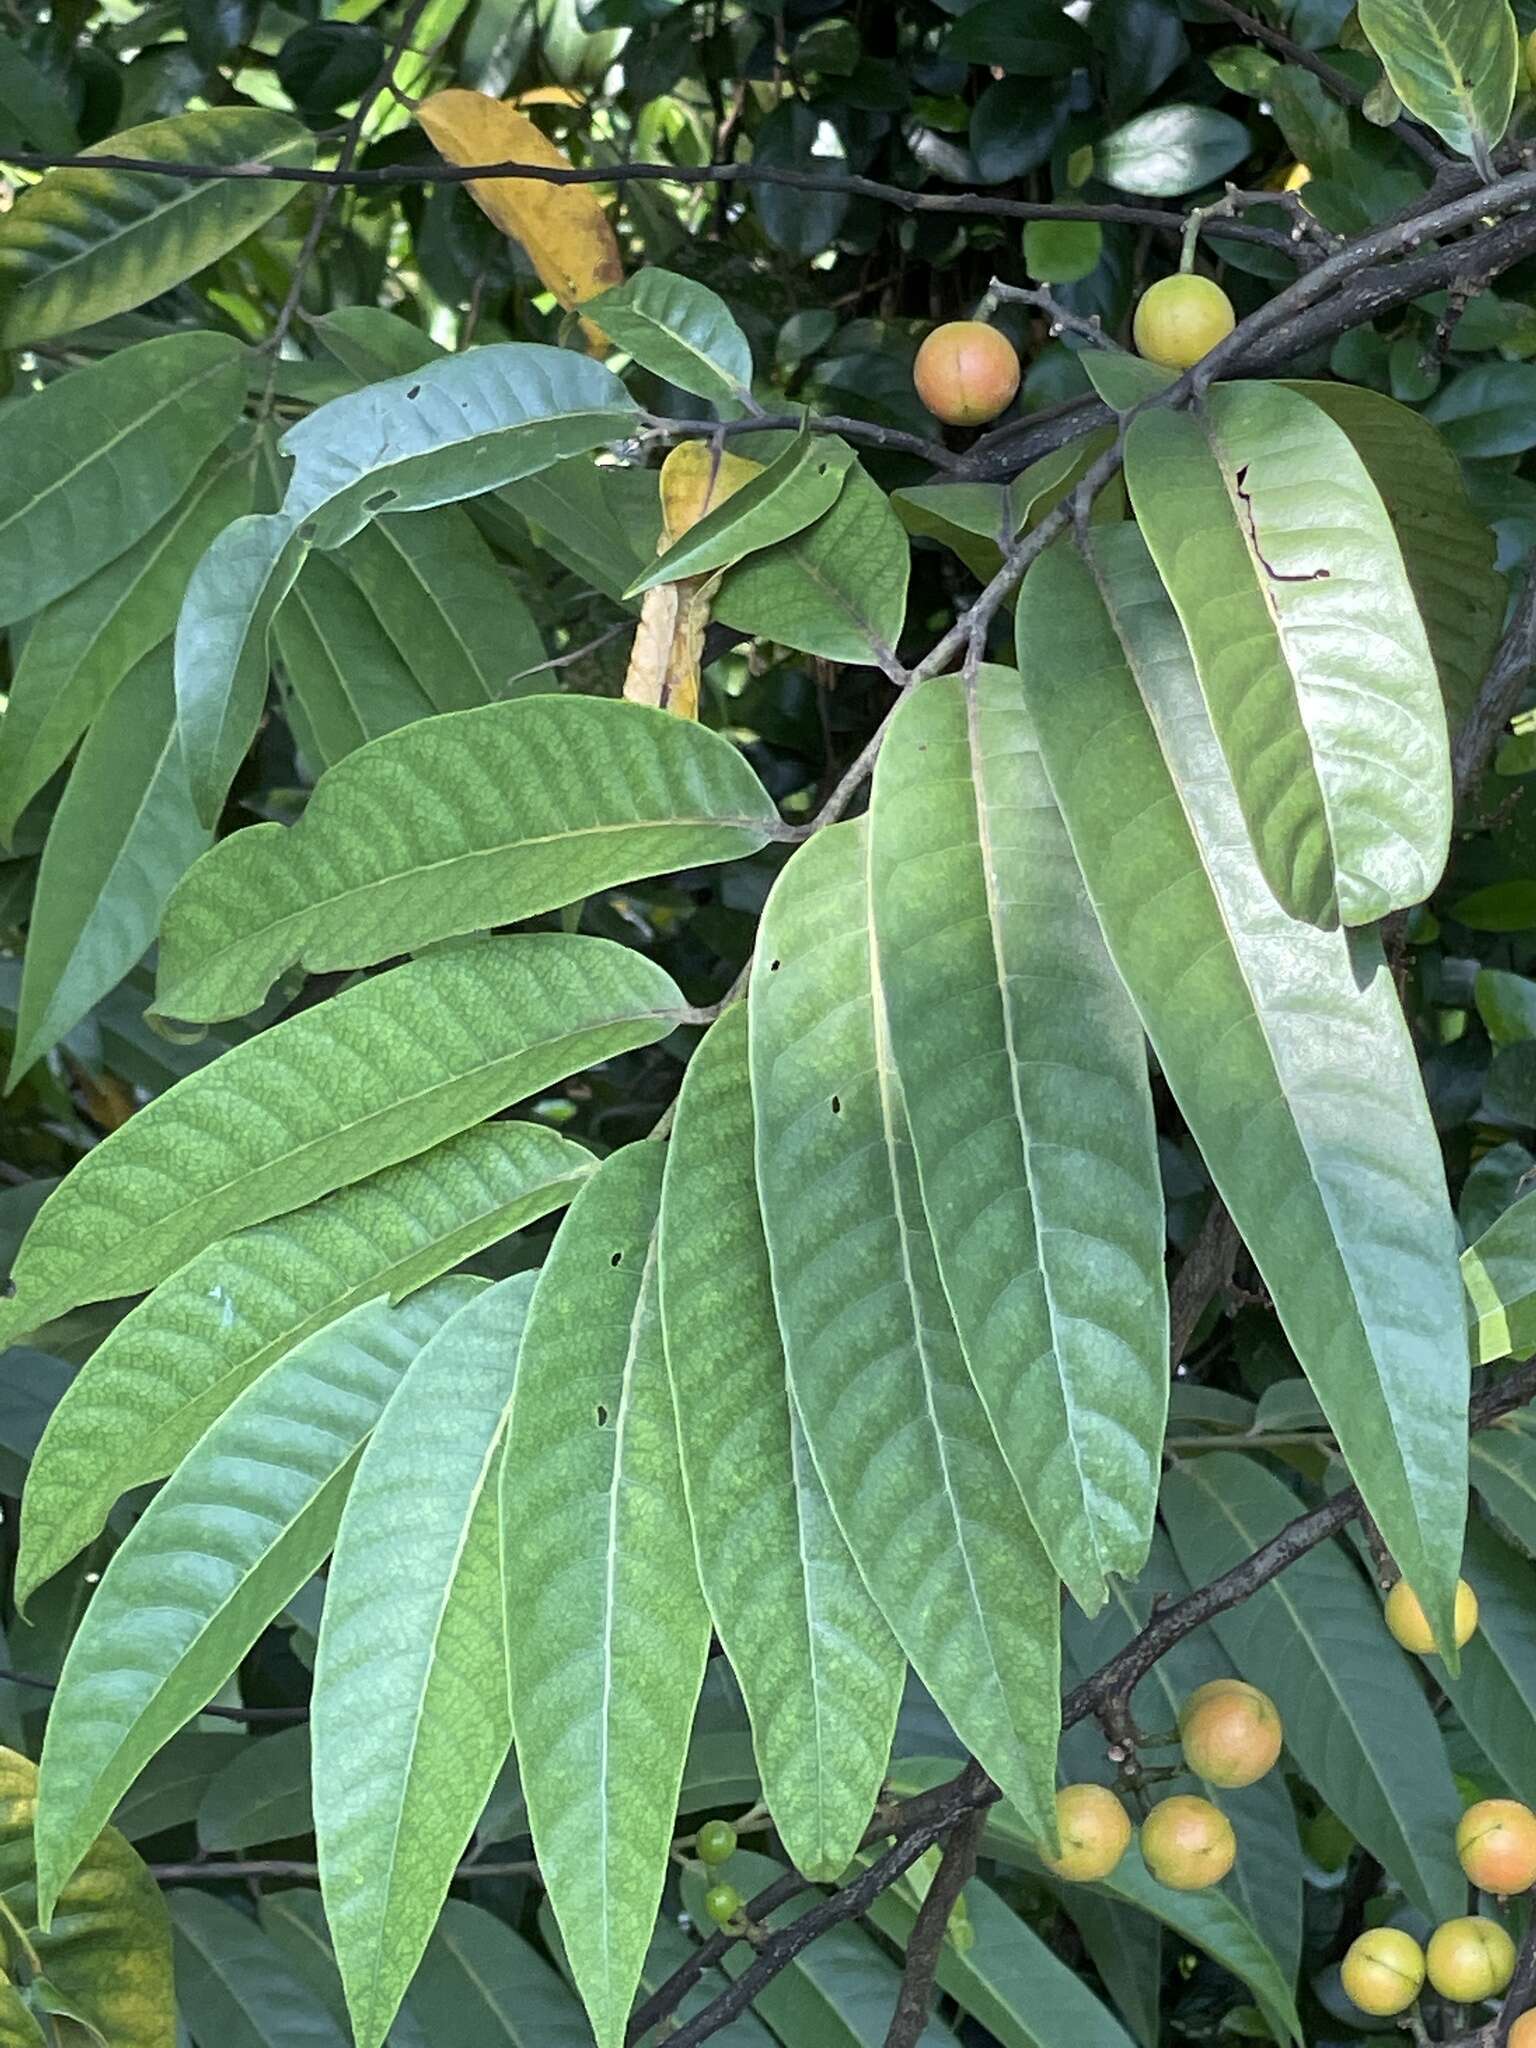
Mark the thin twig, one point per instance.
(34, 1683)
(925, 1944)
(1206, 1270)
(1522, 1990)
(1499, 697)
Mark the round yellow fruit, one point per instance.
(966, 373)
(1187, 1843)
(1409, 1623)
(1231, 1733)
(1470, 1959)
(1383, 1971)
(1180, 319)
(1523, 2033)
(1095, 1833)
(1496, 1841)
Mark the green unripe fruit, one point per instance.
(723, 1903)
(716, 1842)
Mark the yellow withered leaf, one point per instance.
(563, 227)
(694, 479)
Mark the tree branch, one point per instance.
(925, 1944)
(1497, 700)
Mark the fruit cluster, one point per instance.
(1467, 1959)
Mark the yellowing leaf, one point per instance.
(694, 479)
(664, 659)
(562, 227)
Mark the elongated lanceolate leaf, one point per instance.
(236, 1986)
(1281, 561)
(1025, 1075)
(81, 648)
(347, 682)
(380, 1072)
(1453, 66)
(466, 424)
(1499, 1270)
(221, 648)
(480, 1982)
(607, 1631)
(85, 244)
(122, 837)
(174, 1363)
(819, 1669)
(89, 464)
(1356, 1719)
(785, 498)
(1494, 1693)
(899, 1438)
(1285, 1045)
(472, 819)
(681, 330)
(410, 1717)
(248, 1516)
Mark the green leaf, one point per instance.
(122, 837)
(247, 1517)
(380, 1072)
(1032, 38)
(1285, 1046)
(221, 649)
(465, 424)
(1356, 1719)
(1062, 251)
(1044, 1202)
(1500, 1275)
(1494, 1690)
(606, 1626)
(1447, 550)
(680, 330)
(1008, 1980)
(790, 494)
(173, 1364)
(170, 1790)
(978, 520)
(820, 1673)
(261, 1795)
(234, 1984)
(1281, 561)
(1171, 150)
(457, 823)
(410, 1721)
(1453, 66)
(83, 245)
(900, 1440)
(91, 462)
(575, 511)
(1485, 410)
(1503, 1471)
(481, 1983)
(348, 680)
(374, 344)
(34, 102)
(669, 1949)
(839, 1992)
(449, 607)
(838, 590)
(108, 1952)
(1126, 1948)
(82, 646)
(1507, 1005)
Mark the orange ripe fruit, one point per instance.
(1231, 1733)
(1383, 1971)
(1523, 2033)
(966, 373)
(1095, 1833)
(1180, 319)
(1409, 1623)
(1470, 1959)
(1496, 1841)
(1187, 1843)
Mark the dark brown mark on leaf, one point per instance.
(1275, 575)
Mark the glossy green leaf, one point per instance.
(90, 463)
(1171, 150)
(839, 1992)
(1500, 1275)
(1356, 1719)
(1284, 1045)
(607, 1630)
(83, 645)
(122, 837)
(838, 590)
(234, 1985)
(169, 1791)
(1030, 37)
(108, 1951)
(460, 822)
(978, 520)
(680, 330)
(480, 1983)
(174, 1363)
(1282, 563)
(1495, 1689)
(83, 245)
(1126, 1948)
(261, 1795)
(449, 608)
(221, 649)
(410, 1717)
(295, 1919)
(1044, 1201)
(576, 511)
(1008, 1980)
(249, 1514)
(820, 1672)
(1453, 66)
(348, 681)
(379, 1073)
(899, 1437)
(1485, 410)
(458, 426)
(34, 101)
(1447, 550)
(1502, 1469)
(788, 496)
(373, 343)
